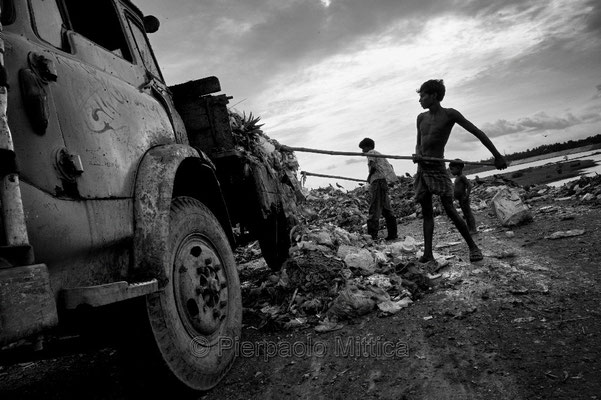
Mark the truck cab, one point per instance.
(104, 198)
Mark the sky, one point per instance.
(324, 74)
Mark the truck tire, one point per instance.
(194, 323)
(274, 239)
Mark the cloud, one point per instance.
(326, 73)
(538, 123)
(593, 20)
(253, 46)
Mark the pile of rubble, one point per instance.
(270, 163)
(250, 138)
(334, 275)
(583, 189)
(586, 189)
(336, 272)
(348, 209)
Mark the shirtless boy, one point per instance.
(433, 131)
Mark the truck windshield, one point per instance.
(8, 12)
(98, 21)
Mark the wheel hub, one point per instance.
(200, 285)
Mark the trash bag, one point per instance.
(393, 307)
(509, 208)
(363, 261)
(407, 246)
(352, 302)
(344, 250)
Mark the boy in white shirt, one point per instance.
(379, 203)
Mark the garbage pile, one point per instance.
(336, 272)
(485, 189)
(519, 200)
(250, 138)
(334, 275)
(348, 209)
(268, 162)
(585, 189)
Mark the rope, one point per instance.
(304, 174)
(350, 153)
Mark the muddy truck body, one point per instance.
(118, 190)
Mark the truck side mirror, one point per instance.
(151, 24)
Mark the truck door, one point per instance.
(107, 116)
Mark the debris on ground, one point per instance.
(509, 207)
(565, 234)
(267, 159)
(336, 272)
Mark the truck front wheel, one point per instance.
(195, 321)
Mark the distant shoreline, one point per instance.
(560, 153)
(551, 172)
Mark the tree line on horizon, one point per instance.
(544, 149)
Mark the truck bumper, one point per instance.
(27, 304)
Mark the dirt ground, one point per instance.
(524, 323)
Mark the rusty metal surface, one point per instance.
(153, 194)
(109, 124)
(96, 110)
(161, 169)
(98, 158)
(207, 123)
(101, 122)
(81, 242)
(195, 89)
(34, 152)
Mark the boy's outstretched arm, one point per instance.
(500, 162)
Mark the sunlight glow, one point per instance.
(371, 92)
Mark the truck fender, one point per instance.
(167, 171)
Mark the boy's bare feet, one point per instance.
(424, 259)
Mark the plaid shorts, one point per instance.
(434, 179)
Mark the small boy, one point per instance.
(379, 202)
(461, 192)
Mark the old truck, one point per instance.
(119, 190)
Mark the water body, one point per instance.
(594, 155)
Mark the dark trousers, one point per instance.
(380, 205)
